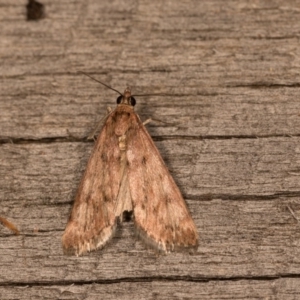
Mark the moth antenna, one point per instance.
(101, 82)
(109, 87)
(142, 95)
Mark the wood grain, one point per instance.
(227, 127)
(282, 288)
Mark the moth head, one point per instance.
(126, 98)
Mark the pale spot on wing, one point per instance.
(86, 185)
(130, 155)
(168, 188)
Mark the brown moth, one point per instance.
(125, 173)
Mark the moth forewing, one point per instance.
(126, 173)
(160, 212)
(92, 221)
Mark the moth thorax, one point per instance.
(122, 142)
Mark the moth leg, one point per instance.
(147, 121)
(155, 120)
(92, 135)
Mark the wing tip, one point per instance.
(165, 248)
(74, 244)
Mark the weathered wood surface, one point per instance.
(230, 137)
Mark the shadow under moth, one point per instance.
(125, 173)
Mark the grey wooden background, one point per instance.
(230, 136)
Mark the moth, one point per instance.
(125, 173)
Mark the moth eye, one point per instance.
(132, 101)
(119, 99)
